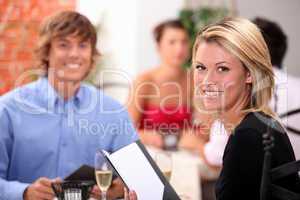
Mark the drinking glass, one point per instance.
(103, 173)
(164, 162)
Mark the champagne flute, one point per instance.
(103, 172)
(164, 162)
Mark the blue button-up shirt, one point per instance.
(41, 135)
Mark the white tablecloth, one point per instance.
(186, 173)
(185, 177)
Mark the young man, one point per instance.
(52, 126)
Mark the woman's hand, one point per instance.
(152, 138)
(131, 195)
(192, 141)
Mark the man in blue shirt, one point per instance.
(52, 126)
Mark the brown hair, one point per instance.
(63, 24)
(160, 28)
(275, 38)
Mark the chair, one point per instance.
(288, 114)
(268, 189)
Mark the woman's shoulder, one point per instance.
(249, 133)
(147, 76)
(260, 122)
(255, 124)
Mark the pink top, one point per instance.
(166, 118)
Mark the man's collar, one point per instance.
(51, 97)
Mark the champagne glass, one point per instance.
(103, 172)
(164, 162)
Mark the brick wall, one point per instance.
(19, 24)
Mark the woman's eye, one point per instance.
(200, 67)
(223, 69)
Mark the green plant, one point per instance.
(195, 20)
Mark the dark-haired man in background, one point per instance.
(287, 91)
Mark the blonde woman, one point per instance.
(234, 79)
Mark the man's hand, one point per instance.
(40, 189)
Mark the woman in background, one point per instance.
(160, 99)
(233, 77)
(208, 139)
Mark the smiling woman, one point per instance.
(244, 49)
(233, 77)
(221, 76)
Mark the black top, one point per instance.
(241, 174)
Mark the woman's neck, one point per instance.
(171, 70)
(232, 120)
(233, 116)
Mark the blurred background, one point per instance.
(125, 32)
(125, 38)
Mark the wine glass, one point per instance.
(103, 172)
(164, 162)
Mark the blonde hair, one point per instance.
(243, 39)
(63, 24)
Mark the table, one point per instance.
(188, 169)
(186, 173)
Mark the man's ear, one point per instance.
(157, 46)
(248, 78)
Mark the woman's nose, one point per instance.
(209, 78)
